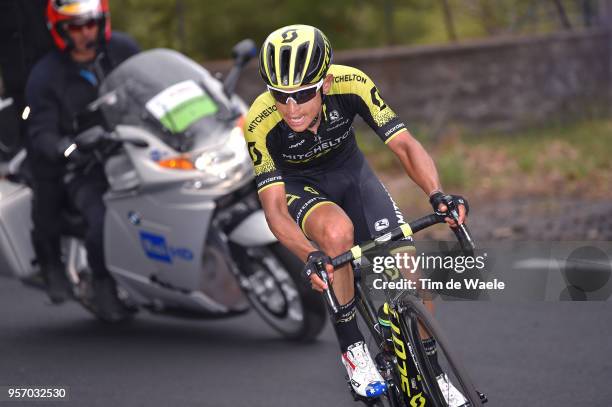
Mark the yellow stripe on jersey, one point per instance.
(270, 185)
(393, 135)
(315, 206)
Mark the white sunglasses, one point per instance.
(300, 96)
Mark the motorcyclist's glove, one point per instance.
(66, 147)
(438, 198)
(68, 152)
(310, 267)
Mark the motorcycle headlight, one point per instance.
(216, 165)
(229, 162)
(233, 152)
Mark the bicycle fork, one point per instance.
(406, 364)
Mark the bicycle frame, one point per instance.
(407, 372)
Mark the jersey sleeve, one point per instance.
(258, 125)
(369, 104)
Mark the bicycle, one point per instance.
(400, 356)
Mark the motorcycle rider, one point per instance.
(314, 183)
(60, 86)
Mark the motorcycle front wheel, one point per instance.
(277, 293)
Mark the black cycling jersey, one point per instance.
(327, 167)
(277, 151)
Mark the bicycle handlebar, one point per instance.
(403, 231)
(400, 232)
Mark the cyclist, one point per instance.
(60, 86)
(313, 181)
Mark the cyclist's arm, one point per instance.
(370, 105)
(416, 161)
(281, 224)
(269, 179)
(420, 167)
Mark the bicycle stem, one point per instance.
(400, 232)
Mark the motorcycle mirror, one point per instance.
(242, 52)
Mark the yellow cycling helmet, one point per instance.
(293, 56)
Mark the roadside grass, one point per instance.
(557, 159)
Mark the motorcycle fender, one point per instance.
(253, 231)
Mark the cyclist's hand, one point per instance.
(309, 273)
(440, 203)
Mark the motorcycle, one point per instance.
(184, 231)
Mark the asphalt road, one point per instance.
(520, 354)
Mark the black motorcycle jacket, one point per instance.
(57, 90)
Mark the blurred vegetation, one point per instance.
(559, 159)
(207, 30)
(569, 156)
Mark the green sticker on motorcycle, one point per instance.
(187, 113)
(181, 105)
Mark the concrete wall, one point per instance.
(491, 84)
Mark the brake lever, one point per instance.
(328, 293)
(463, 230)
(453, 211)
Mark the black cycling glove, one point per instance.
(310, 267)
(438, 197)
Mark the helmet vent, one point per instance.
(271, 64)
(285, 63)
(300, 61)
(315, 64)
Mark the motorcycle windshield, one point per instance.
(169, 94)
